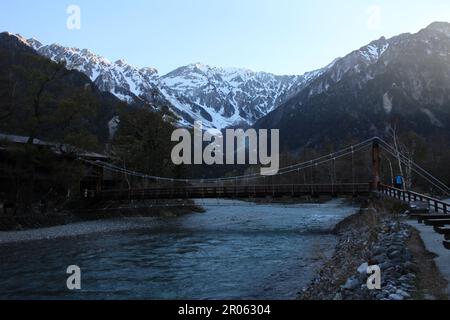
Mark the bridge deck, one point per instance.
(254, 191)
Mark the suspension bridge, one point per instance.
(295, 180)
(340, 173)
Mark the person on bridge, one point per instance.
(399, 182)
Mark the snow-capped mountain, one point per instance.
(403, 81)
(128, 83)
(355, 62)
(223, 98)
(218, 97)
(226, 97)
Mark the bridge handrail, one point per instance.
(406, 195)
(219, 191)
(195, 187)
(415, 193)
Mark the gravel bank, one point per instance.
(375, 236)
(79, 212)
(76, 229)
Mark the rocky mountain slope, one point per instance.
(227, 97)
(402, 81)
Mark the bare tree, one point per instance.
(391, 169)
(394, 136)
(404, 155)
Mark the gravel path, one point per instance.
(433, 243)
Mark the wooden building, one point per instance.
(93, 175)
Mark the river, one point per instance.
(238, 251)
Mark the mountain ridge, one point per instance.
(226, 97)
(219, 97)
(399, 82)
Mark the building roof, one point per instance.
(58, 148)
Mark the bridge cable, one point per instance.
(304, 165)
(404, 162)
(395, 154)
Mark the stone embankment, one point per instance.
(377, 236)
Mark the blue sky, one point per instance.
(279, 36)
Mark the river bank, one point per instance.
(378, 235)
(76, 229)
(101, 211)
